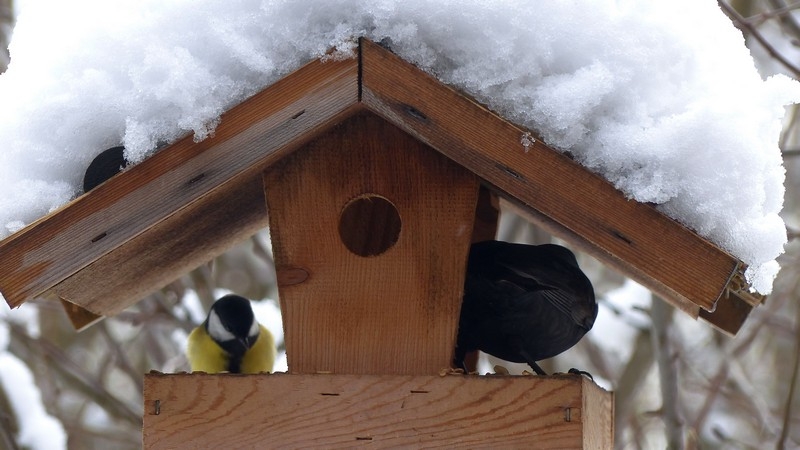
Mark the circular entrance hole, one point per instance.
(369, 225)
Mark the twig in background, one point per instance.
(782, 11)
(630, 382)
(661, 314)
(120, 357)
(747, 28)
(787, 413)
(76, 376)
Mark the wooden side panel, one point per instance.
(731, 312)
(345, 411)
(599, 426)
(185, 240)
(79, 317)
(658, 252)
(250, 136)
(393, 313)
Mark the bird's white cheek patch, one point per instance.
(216, 330)
(253, 329)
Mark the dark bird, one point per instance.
(231, 340)
(523, 303)
(104, 166)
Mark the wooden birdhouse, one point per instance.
(374, 179)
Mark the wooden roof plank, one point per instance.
(250, 136)
(156, 257)
(665, 255)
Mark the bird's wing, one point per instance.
(526, 278)
(261, 356)
(563, 298)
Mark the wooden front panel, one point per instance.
(376, 411)
(394, 312)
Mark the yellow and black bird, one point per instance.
(231, 340)
(523, 303)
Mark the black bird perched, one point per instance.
(104, 166)
(523, 303)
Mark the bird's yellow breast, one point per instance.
(206, 356)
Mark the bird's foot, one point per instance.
(532, 363)
(575, 371)
(537, 369)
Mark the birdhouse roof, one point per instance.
(193, 200)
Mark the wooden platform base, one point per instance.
(381, 411)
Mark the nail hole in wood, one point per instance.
(197, 178)
(621, 237)
(99, 237)
(510, 171)
(415, 113)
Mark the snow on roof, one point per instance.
(660, 98)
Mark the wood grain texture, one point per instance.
(250, 137)
(79, 317)
(394, 313)
(731, 312)
(658, 252)
(378, 411)
(163, 253)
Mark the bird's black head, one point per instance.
(104, 166)
(231, 323)
(556, 255)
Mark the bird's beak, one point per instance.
(246, 343)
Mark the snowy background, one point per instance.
(660, 97)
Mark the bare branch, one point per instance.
(120, 358)
(8, 422)
(630, 382)
(782, 11)
(715, 386)
(661, 314)
(787, 414)
(748, 29)
(76, 375)
(6, 25)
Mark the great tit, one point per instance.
(104, 166)
(231, 340)
(523, 303)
